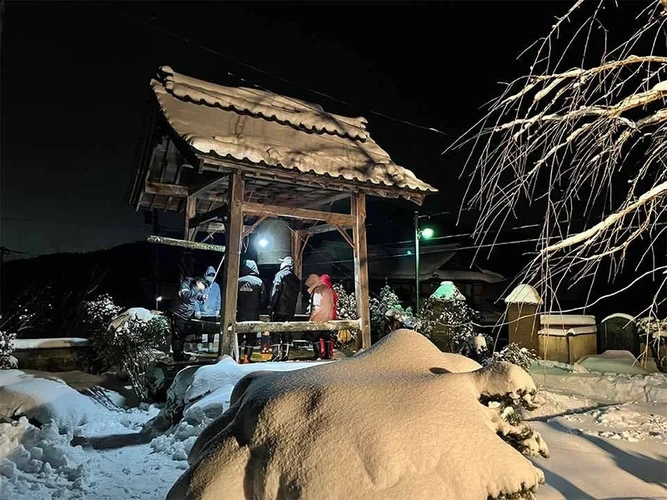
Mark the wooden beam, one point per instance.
(217, 227)
(190, 212)
(345, 236)
(326, 201)
(203, 187)
(216, 213)
(213, 227)
(194, 245)
(319, 229)
(247, 230)
(297, 326)
(228, 340)
(361, 268)
(344, 220)
(178, 191)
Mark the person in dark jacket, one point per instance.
(282, 304)
(251, 300)
(190, 296)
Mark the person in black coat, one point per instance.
(282, 305)
(190, 296)
(251, 301)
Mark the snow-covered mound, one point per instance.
(601, 387)
(211, 388)
(44, 400)
(400, 420)
(31, 457)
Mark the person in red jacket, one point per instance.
(322, 308)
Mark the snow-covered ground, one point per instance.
(607, 434)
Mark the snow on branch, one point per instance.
(589, 234)
(582, 146)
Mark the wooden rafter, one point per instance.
(319, 229)
(259, 209)
(206, 186)
(249, 229)
(345, 236)
(159, 188)
(295, 177)
(213, 215)
(328, 200)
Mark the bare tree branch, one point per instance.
(585, 145)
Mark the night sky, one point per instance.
(75, 84)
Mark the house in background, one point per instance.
(395, 265)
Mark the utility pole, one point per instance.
(417, 236)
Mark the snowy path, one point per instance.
(134, 472)
(630, 461)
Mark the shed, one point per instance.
(230, 157)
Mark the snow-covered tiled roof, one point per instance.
(267, 129)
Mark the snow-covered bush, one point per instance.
(98, 313)
(346, 308)
(379, 306)
(7, 360)
(652, 327)
(512, 410)
(515, 354)
(29, 313)
(129, 342)
(449, 324)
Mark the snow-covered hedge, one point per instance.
(130, 342)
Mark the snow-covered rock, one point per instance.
(44, 400)
(210, 390)
(400, 420)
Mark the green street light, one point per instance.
(427, 233)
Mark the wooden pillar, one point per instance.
(295, 252)
(297, 246)
(228, 341)
(361, 267)
(190, 212)
(296, 243)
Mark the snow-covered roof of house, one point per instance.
(280, 134)
(335, 259)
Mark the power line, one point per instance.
(277, 77)
(71, 223)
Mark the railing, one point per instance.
(296, 326)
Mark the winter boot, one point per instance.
(328, 349)
(177, 350)
(248, 353)
(317, 353)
